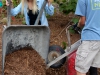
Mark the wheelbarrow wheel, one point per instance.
(54, 52)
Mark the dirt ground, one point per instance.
(58, 24)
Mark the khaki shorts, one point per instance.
(88, 54)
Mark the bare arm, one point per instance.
(81, 22)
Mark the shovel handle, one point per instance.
(9, 14)
(40, 13)
(68, 37)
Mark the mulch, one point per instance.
(24, 62)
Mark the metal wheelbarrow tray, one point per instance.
(16, 37)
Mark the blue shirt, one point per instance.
(91, 10)
(48, 9)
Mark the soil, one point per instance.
(58, 24)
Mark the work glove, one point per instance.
(76, 28)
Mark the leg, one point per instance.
(93, 71)
(84, 57)
(78, 73)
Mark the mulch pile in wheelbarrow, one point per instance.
(24, 62)
(57, 71)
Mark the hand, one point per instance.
(76, 28)
(7, 3)
(49, 1)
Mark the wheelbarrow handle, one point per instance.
(40, 13)
(9, 14)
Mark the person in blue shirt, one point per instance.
(31, 8)
(88, 52)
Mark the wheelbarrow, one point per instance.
(15, 37)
